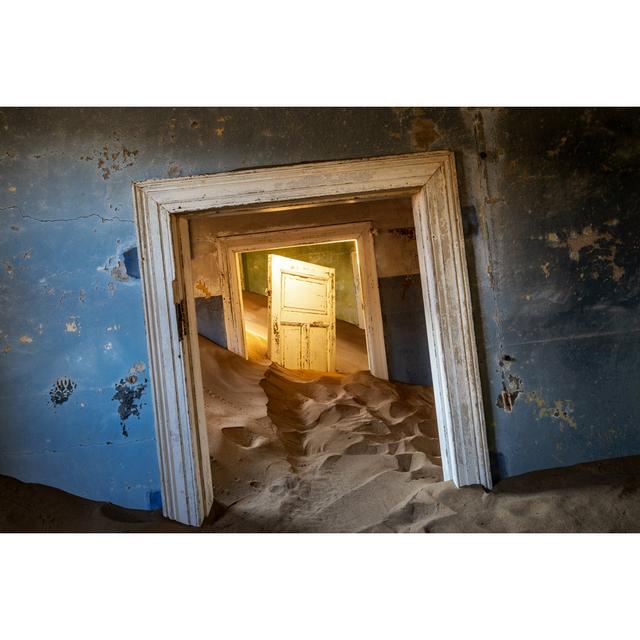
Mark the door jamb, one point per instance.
(230, 248)
(430, 180)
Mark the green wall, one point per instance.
(336, 255)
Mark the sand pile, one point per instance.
(317, 415)
(304, 451)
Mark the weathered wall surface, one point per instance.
(550, 205)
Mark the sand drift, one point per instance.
(306, 451)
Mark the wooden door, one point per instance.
(302, 314)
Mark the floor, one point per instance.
(593, 497)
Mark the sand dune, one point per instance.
(301, 451)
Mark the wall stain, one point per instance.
(423, 133)
(175, 170)
(561, 409)
(128, 393)
(61, 391)
(112, 158)
(72, 325)
(201, 286)
(596, 247)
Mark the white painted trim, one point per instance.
(230, 248)
(429, 178)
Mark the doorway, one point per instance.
(162, 211)
(349, 247)
(302, 307)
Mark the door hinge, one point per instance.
(181, 319)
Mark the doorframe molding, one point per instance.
(230, 248)
(429, 179)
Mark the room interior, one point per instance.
(548, 210)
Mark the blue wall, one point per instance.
(405, 329)
(210, 315)
(550, 203)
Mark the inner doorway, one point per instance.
(302, 307)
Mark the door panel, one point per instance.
(302, 317)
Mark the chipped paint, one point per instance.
(72, 325)
(119, 272)
(593, 245)
(112, 158)
(128, 392)
(512, 386)
(560, 410)
(26, 339)
(61, 391)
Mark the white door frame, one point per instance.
(230, 248)
(430, 180)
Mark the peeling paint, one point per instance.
(26, 339)
(113, 157)
(128, 393)
(561, 409)
(594, 245)
(119, 272)
(72, 325)
(61, 390)
(512, 386)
